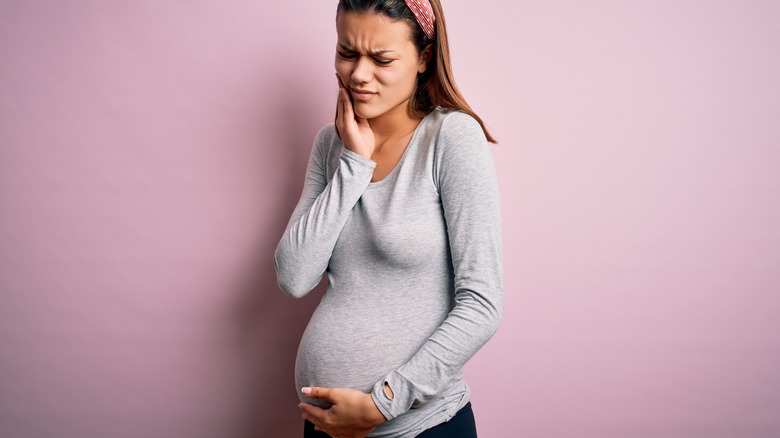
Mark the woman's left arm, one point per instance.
(468, 186)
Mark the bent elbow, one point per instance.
(293, 285)
(291, 282)
(494, 321)
(292, 288)
(494, 312)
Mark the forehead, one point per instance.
(372, 31)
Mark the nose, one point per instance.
(363, 70)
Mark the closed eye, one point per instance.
(353, 55)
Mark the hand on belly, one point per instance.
(352, 414)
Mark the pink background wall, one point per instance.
(151, 152)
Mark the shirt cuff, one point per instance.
(402, 396)
(357, 158)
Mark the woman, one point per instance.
(400, 208)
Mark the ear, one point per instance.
(425, 59)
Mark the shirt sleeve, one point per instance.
(465, 176)
(304, 251)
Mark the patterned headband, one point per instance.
(423, 12)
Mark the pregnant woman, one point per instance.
(400, 208)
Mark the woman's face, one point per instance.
(377, 62)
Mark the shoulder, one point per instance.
(327, 136)
(458, 134)
(453, 125)
(460, 146)
(326, 143)
(460, 122)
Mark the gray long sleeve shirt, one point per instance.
(414, 270)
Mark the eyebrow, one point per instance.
(374, 53)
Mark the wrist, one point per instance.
(373, 411)
(363, 152)
(355, 156)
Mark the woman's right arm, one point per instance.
(307, 244)
(324, 207)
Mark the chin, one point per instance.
(369, 111)
(364, 113)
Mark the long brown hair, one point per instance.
(436, 86)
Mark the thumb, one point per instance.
(318, 393)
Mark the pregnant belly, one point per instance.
(346, 347)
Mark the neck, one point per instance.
(395, 123)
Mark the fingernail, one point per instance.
(306, 390)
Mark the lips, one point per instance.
(361, 94)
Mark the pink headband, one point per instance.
(423, 12)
